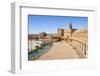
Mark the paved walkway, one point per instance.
(60, 50)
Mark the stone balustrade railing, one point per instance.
(79, 44)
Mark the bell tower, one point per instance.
(70, 26)
(69, 30)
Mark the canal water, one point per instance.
(39, 52)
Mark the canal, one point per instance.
(39, 52)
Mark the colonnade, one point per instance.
(79, 45)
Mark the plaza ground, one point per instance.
(60, 50)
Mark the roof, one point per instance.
(80, 30)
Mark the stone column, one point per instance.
(86, 49)
(81, 46)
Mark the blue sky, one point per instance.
(50, 24)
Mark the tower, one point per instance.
(70, 26)
(60, 32)
(69, 31)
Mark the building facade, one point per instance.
(77, 38)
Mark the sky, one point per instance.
(50, 24)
